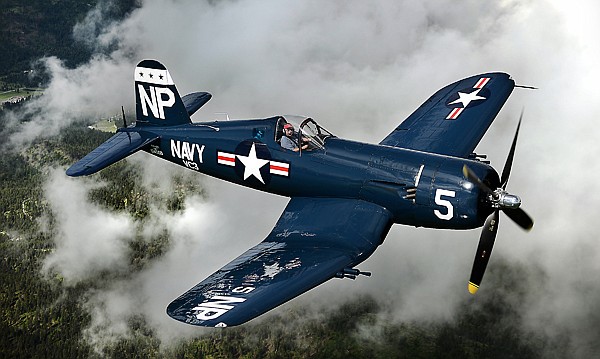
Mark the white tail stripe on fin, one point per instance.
(153, 76)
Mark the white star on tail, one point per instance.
(252, 164)
(466, 98)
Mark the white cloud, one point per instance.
(360, 68)
(89, 239)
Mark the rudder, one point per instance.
(157, 101)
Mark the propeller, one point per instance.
(499, 199)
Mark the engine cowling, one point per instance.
(455, 202)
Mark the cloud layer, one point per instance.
(359, 68)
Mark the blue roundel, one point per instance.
(253, 162)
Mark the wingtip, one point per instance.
(77, 170)
(473, 288)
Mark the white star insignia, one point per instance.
(272, 270)
(466, 98)
(252, 164)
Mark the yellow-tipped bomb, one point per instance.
(473, 288)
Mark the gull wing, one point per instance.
(314, 239)
(454, 119)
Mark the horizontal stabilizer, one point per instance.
(119, 146)
(193, 101)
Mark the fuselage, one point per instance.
(419, 188)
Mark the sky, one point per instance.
(358, 68)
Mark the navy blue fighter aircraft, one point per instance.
(345, 195)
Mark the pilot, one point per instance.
(289, 140)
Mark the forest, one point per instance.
(37, 28)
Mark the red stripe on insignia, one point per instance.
(279, 168)
(228, 159)
(224, 158)
(482, 82)
(454, 114)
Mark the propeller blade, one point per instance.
(484, 251)
(519, 217)
(471, 176)
(511, 156)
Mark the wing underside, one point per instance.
(314, 239)
(454, 119)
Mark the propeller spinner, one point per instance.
(499, 199)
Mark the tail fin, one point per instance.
(157, 101)
(157, 104)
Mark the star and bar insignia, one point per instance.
(465, 98)
(253, 164)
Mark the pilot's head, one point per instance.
(288, 129)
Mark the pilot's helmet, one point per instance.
(288, 126)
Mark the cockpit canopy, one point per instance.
(307, 130)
